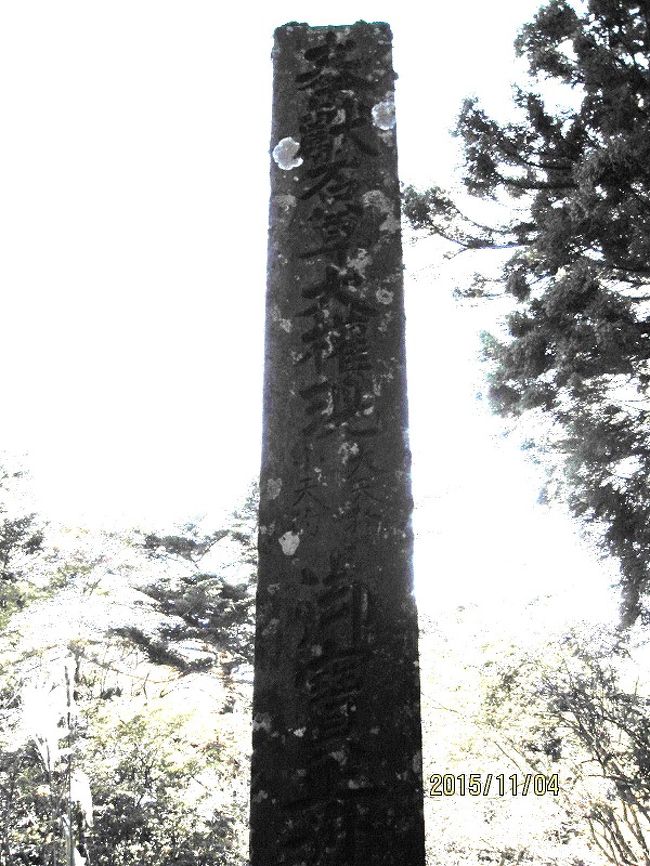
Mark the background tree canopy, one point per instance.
(577, 182)
(124, 691)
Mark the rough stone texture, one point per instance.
(336, 775)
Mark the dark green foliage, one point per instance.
(579, 272)
(28, 809)
(17, 536)
(156, 649)
(144, 814)
(73, 746)
(203, 606)
(188, 546)
(21, 540)
(211, 610)
(594, 728)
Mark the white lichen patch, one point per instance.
(374, 730)
(289, 542)
(384, 296)
(299, 732)
(260, 796)
(285, 202)
(284, 208)
(340, 757)
(276, 316)
(379, 200)
(347, 450)
(328, 411)
(359, 262)
(273, 487)
(391, 224)
(272, 588)
(382, 327)
(383, 113)
(284, 154)
(262, 722)
(387, 137)
(317, 650)
(331, 350)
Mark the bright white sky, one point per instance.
(133, 207)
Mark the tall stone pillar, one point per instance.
(336, 767)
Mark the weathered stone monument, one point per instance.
(336, 768)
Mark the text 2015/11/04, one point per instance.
(477, 784)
